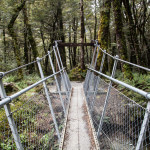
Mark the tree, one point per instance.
(103, 33)
(120, 38)
(82, 35)
(14, 36)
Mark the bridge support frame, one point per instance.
(98, 80)
(52, 66)
(68, 84)
(48, 99)
(10, 119)
(62, 74)
(143, 127)
(107, 97)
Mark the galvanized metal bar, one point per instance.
(10, 98)
(98, 80)
(121, 60)
(57, 49)
(91, 76)
(107, 98)
(88, 72)
(62, 76)
(69, 84)
(52, 66)
(141, 92)
(10, 118)
(48, 99)
(143, 127)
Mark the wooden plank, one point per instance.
(60, 44)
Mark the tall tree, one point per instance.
(74, 27)
(82, 35)
(133, 33)
(14, 36)
(103, 33)
(61, 31)
(120, 38)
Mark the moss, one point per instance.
(77, 74)
(103, 33)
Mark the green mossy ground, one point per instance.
(77, 74)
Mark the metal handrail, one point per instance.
(10, 98)
(121, 60)
(10, 71)
(141, 92)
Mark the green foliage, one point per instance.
(77, 74)
(26, 81)
(141, 81)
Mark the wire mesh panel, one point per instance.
(6, 139)
(122, 120)
(96, 100)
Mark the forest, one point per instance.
(29, 30)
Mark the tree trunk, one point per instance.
(82, 35)
(61, 34)
(14, 37)
(70, 60)
(95, 24)
(44, 47)
(133, 34)
(4, 42)
(117, 5)
(75, 26)
(103, 33)
(26, 51)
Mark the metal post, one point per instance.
(98, 80)
(64, 81)
(89, 72)
(56, 45)
(143, 127)
(50, 59)
(10, 118)
(91, 76)
(48, 99)
(107, 97)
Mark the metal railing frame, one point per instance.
(6, 100)
(112, 79)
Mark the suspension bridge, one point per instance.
(75, 115)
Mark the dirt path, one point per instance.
(78, 133)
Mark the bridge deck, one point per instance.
(78, 130)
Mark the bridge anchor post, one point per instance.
(61, 99)
(107, 97)
(10, 118)
(48, 99)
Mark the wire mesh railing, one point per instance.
(36, 121)
(120, 122)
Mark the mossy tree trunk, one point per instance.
(26, 50)
(29, 37)
(14, 37)
(133, 33)
(44, 47)
(103, 33)
(61, 32)
(120, 38)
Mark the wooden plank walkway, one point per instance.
(78, 134)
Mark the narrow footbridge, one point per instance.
(54, 113)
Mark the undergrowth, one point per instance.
(140, 81)
(77, 74)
